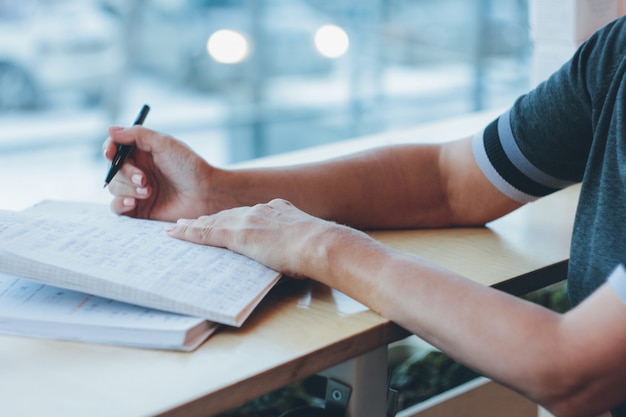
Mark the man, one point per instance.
(570, 129)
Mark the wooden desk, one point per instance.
(521, 252)
(300, 329)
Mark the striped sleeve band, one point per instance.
(617, 281)
(503, 163)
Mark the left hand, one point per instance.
(277, 234)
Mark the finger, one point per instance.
(118, 135)
(213, 230)
(190, 230)
(121, 188)
(123, 205)
(109, 146)
(144, 139)
(130, 182)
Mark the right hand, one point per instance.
(162, 179)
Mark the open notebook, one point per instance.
(85, 248)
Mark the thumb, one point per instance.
(109, 146)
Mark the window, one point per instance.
(237, 79)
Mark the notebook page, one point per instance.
(33, 309)
(131, 260)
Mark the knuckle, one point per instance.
(206, 233)
(279, 202)
(204, 227)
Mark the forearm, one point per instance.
(539, 353)
(403, 186)
(572, 363)
(466, 319)
(381, 188)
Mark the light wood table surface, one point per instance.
(301, 328)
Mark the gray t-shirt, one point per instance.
(571, 129)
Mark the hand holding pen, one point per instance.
(123, 150)
(162, 178)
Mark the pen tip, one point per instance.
(105, 185)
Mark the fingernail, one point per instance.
(115, 128)
(128, 202)
(136, 179)
(182, 221)
(142, 190)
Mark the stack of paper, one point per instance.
(559, 27)
(89, 257)
(32, 309)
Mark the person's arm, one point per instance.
(398, 186)
(572, 364)
(389, 187)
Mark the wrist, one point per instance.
(231, 188)
(223, 189)
(345, 259)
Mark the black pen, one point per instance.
(122, 150)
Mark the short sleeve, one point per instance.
(499, 156)
(543, 143)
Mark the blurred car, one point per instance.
(49, 47)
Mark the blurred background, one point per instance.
(238, 79)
